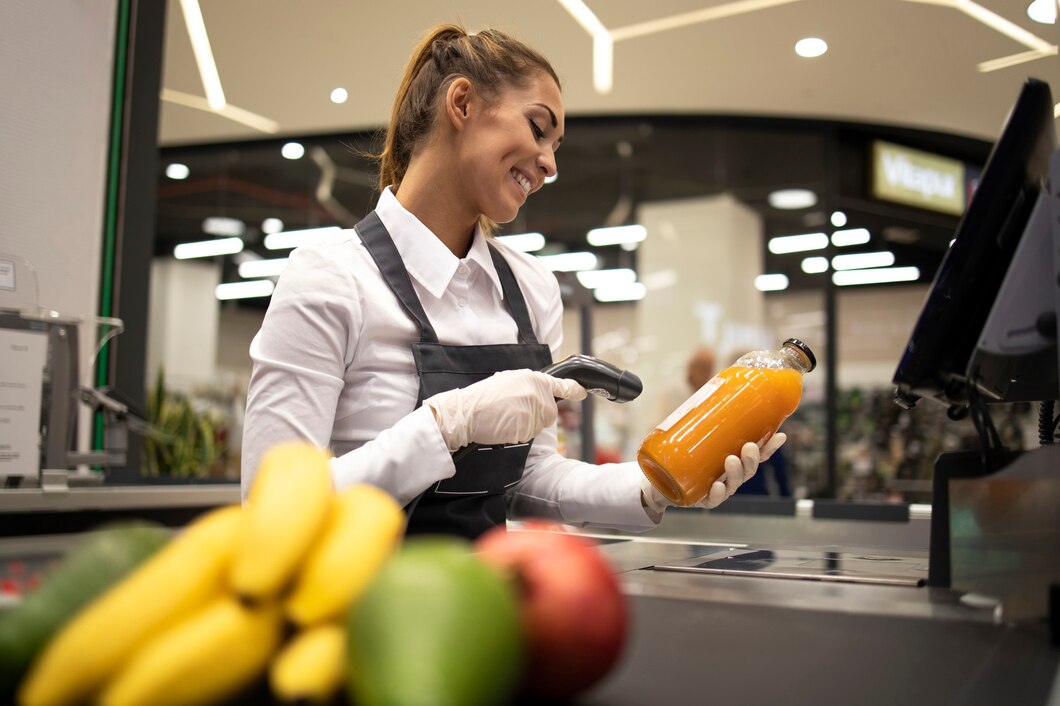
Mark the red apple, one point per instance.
(574, 616)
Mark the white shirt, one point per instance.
(333, 365)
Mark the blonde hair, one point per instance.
(490, 59)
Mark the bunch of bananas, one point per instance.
(241, 592)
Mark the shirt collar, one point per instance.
(424, 255)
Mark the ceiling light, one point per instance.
(771, 283)
(811, 47)
(293, 150)
(229, 111)
(569, 261)
(177, 171)
(591, 279)
(244, 290)
(815, 265)
(339, 95)
(200, 45)
(271, 225)
(798, 243)
(208, 248)
(1043, 11)
(851, 236)
(523, 242)
(863, 260)
(552, 179)
(224, 226)
(617, 235)
(877, 276)
(789, 199)
(839, 219)
(630, 292)
(262, 268)
(310, 236)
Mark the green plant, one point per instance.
(187, 443)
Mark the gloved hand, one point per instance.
(738, 469)
(510, 407)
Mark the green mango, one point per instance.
(437, 627)
(100, 559)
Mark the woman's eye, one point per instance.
(538, 134)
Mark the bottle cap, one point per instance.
(796, 343)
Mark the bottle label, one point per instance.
(697, 397)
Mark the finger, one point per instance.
(566, 389)
(717, 495)
(771, 446)
(734, 474)
(749, 458)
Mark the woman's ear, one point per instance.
(459, 99)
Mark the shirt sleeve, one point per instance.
(571, 491)
(307, 339)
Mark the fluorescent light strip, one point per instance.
(815, 265)
(200, 45)
(695, 17)
(222, 225)
(1013, 60)
(244, 290)
(523, 242)
(229, 111)
(771, 283)
(591, 279)
(208, 248)
(633, 291)
(617, 235)
(262, 268)
(584, 16)
(877, 276)
(850, 236)
(863, 260)
(603, 63)
(569, 262)
(798, 243)
(288, 239)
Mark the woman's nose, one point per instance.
(546, 162)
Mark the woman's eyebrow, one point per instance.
(551, 115)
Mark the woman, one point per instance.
(416, 335)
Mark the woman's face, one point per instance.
(510, 147)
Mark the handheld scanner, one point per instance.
(598, 377)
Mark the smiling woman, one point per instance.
(400, 342)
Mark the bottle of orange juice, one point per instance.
(685, 454)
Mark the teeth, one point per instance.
(522, 181)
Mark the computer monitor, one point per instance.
(936, 360)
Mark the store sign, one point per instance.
(917, 178)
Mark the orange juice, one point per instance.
(685, 454)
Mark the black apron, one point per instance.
(473, 500)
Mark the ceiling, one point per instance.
(897, 62)
(723, 105)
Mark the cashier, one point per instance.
(417, 334)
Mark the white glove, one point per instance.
(510, 407)
(738, 469)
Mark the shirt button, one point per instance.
(461, 302)
(463, 270)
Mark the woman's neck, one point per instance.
(431, 194)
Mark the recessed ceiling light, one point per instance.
(293, 150)
(1043, 11)
(339, 95)
(811, 47)
(839, 219)
(177, 171)
(788, 199)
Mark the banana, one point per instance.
(365, 526)
(311, 667)
(212, 655)
(286, 509)
(174, 582)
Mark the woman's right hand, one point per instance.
(510, 407)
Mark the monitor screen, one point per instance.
(935, 361)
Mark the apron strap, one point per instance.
(381, 247)
(513, 296)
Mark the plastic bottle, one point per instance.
(685, 454)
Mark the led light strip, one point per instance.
(200, 45)
(1039, 48)
(238, 115)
